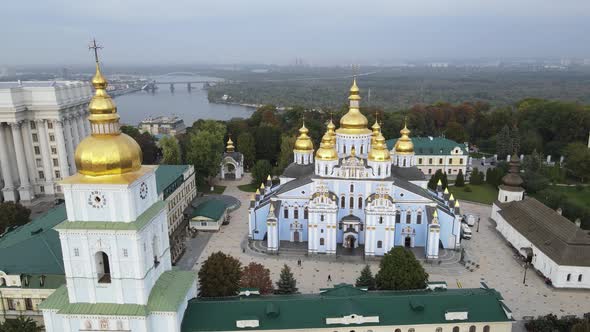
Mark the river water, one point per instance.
(190, 106)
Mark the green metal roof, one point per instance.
(212, 209)
(52, 281)
(167, 174)
(431, 146)
(138, 224)
(170, 290)
(166, 296)
(34, 248)
(310, 311)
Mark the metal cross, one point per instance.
(95, 47)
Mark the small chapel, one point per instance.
(353, 194)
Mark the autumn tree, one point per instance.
(255, 275)
(287, 283)
(400, 270)
(146, 142)
(220, 276)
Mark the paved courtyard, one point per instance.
(490, 260)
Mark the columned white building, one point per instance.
(41, 123)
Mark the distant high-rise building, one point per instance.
(41, 123)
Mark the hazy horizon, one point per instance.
(57, 32)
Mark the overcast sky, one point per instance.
(278, 31)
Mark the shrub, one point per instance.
(467, 189)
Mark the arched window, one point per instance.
(344, 148)
(486, 328)
(398, 217)
(398, 330)
(286, 212)
(379, 171)
(155, 251)
(472, 328)
(569, 276)
(580, 278)
(419, 217)
(380, 220)
(326, 170)
(456, 329)
(360, 202)
(352, 188)
(351, 202)
(505, 198)
(404, 162)
(362, 149)
(305, 213)
(103, 269)
(321, 241)
(296, 212)
(342, 202)
(379, 244)
(439, 329)
(411, 330)
(408, 217)
(2, 282)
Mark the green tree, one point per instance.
(260, 172)
(287, 283)
(146, 142)
(476, 177)
(400, 270)
(504, 142)
(366, 278)
(204, 151)
(20, 324)
(267, 142)
(220, 276)
(247, 146)
(456, 132)
(13, 214)
(577, 160)
(583, 326)
(170, 150)
(255, 275)
(286, 156)
(460, 180)
(438, 175)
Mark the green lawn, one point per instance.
(248, 187)
(483, 193)
(580, 197)
(207, 190)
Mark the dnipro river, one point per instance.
(190, 106)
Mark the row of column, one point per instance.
(16, 145)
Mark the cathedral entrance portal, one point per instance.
(296, 236)
(408, 242)
(350, 241)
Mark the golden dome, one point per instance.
(303, 142)
(404, 144)
(379, 150)
(230, 145)
(326, 150)
(106, 151)
(353, 122)
(376, 131)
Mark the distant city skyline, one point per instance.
(268, 32)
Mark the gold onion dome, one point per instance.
(379, 150)
(332, 131)
(230, 145)
(376, 131)
(404, 144)
(106, 151)
(354, 122)
(303, 142)
(326, 150)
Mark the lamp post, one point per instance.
(478, 219)
(526, 267)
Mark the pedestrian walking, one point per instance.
(329, 278)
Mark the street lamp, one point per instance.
(478, 219)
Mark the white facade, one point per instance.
(41, 123)
(163, 125)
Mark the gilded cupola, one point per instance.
(106, 151)
(332, 131)
(326, 150)
(303, 142)
(376, 131)
(230, 145)
(404, 144)
(379, 151)
(353, 122)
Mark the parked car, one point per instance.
(465, 231)
(469, 219)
